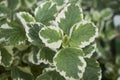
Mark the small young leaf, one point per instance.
(21, 73)
(51, 36)
(70, 15)
(92, 71)
(50, 75)
(69, 62)
(82, 34)
(45, 13)
(96, 15)
(106, 13)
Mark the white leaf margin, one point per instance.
(100, 72)
(55, 45)
(24, 23)
(61, 15)
(85, 43)
(31, 56)
(63, 73)
(41, 5)
(91, 53)
(11, 61)
(43, 60)
(28, 28)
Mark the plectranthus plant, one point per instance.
(51, 42)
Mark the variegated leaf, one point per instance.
(6, 58)
(92, 71)
(82, 34)
(21, 73)
(33, 33)
(89, 50)
(11, 32)
(69, 62)
(46, 55)
(45, 12)
(51, 36)
(70, 15)
(50, 75)
(25, 18)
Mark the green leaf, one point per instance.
(70, 15)
(33, 56)
(0, 57)
(92, 71)
(25, 18)
(11, 32)
(30, 3)
(96, 15)
(45, 13)
(89, 50)
(46, 55)
(3, 76)
(6, 58)
(69, 62)
(15, 5)
(21, 73)
(33, 33)
(3, 12)
(106, 13)
(101, 51)
(59, 2)
(82, 34)
(51, 36)
(111, 34)
(50, 75)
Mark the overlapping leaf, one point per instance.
(83, 34)
(70, 63)
(29, 3)
(92, 71)
(6, 58)
(46, 55)
(33, 56)
(51, 36)
(14, 5)
(33, 33)
(89, 50)
(50, 75)
(45, 13)
(13, 34)
(70, 15)
(25, 18)
(106, 13)
(21, 73)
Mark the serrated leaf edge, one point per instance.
(53, 45)
(43, 60)
(85, 43)
(27, 32)
(91, 53)
(63, 73)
